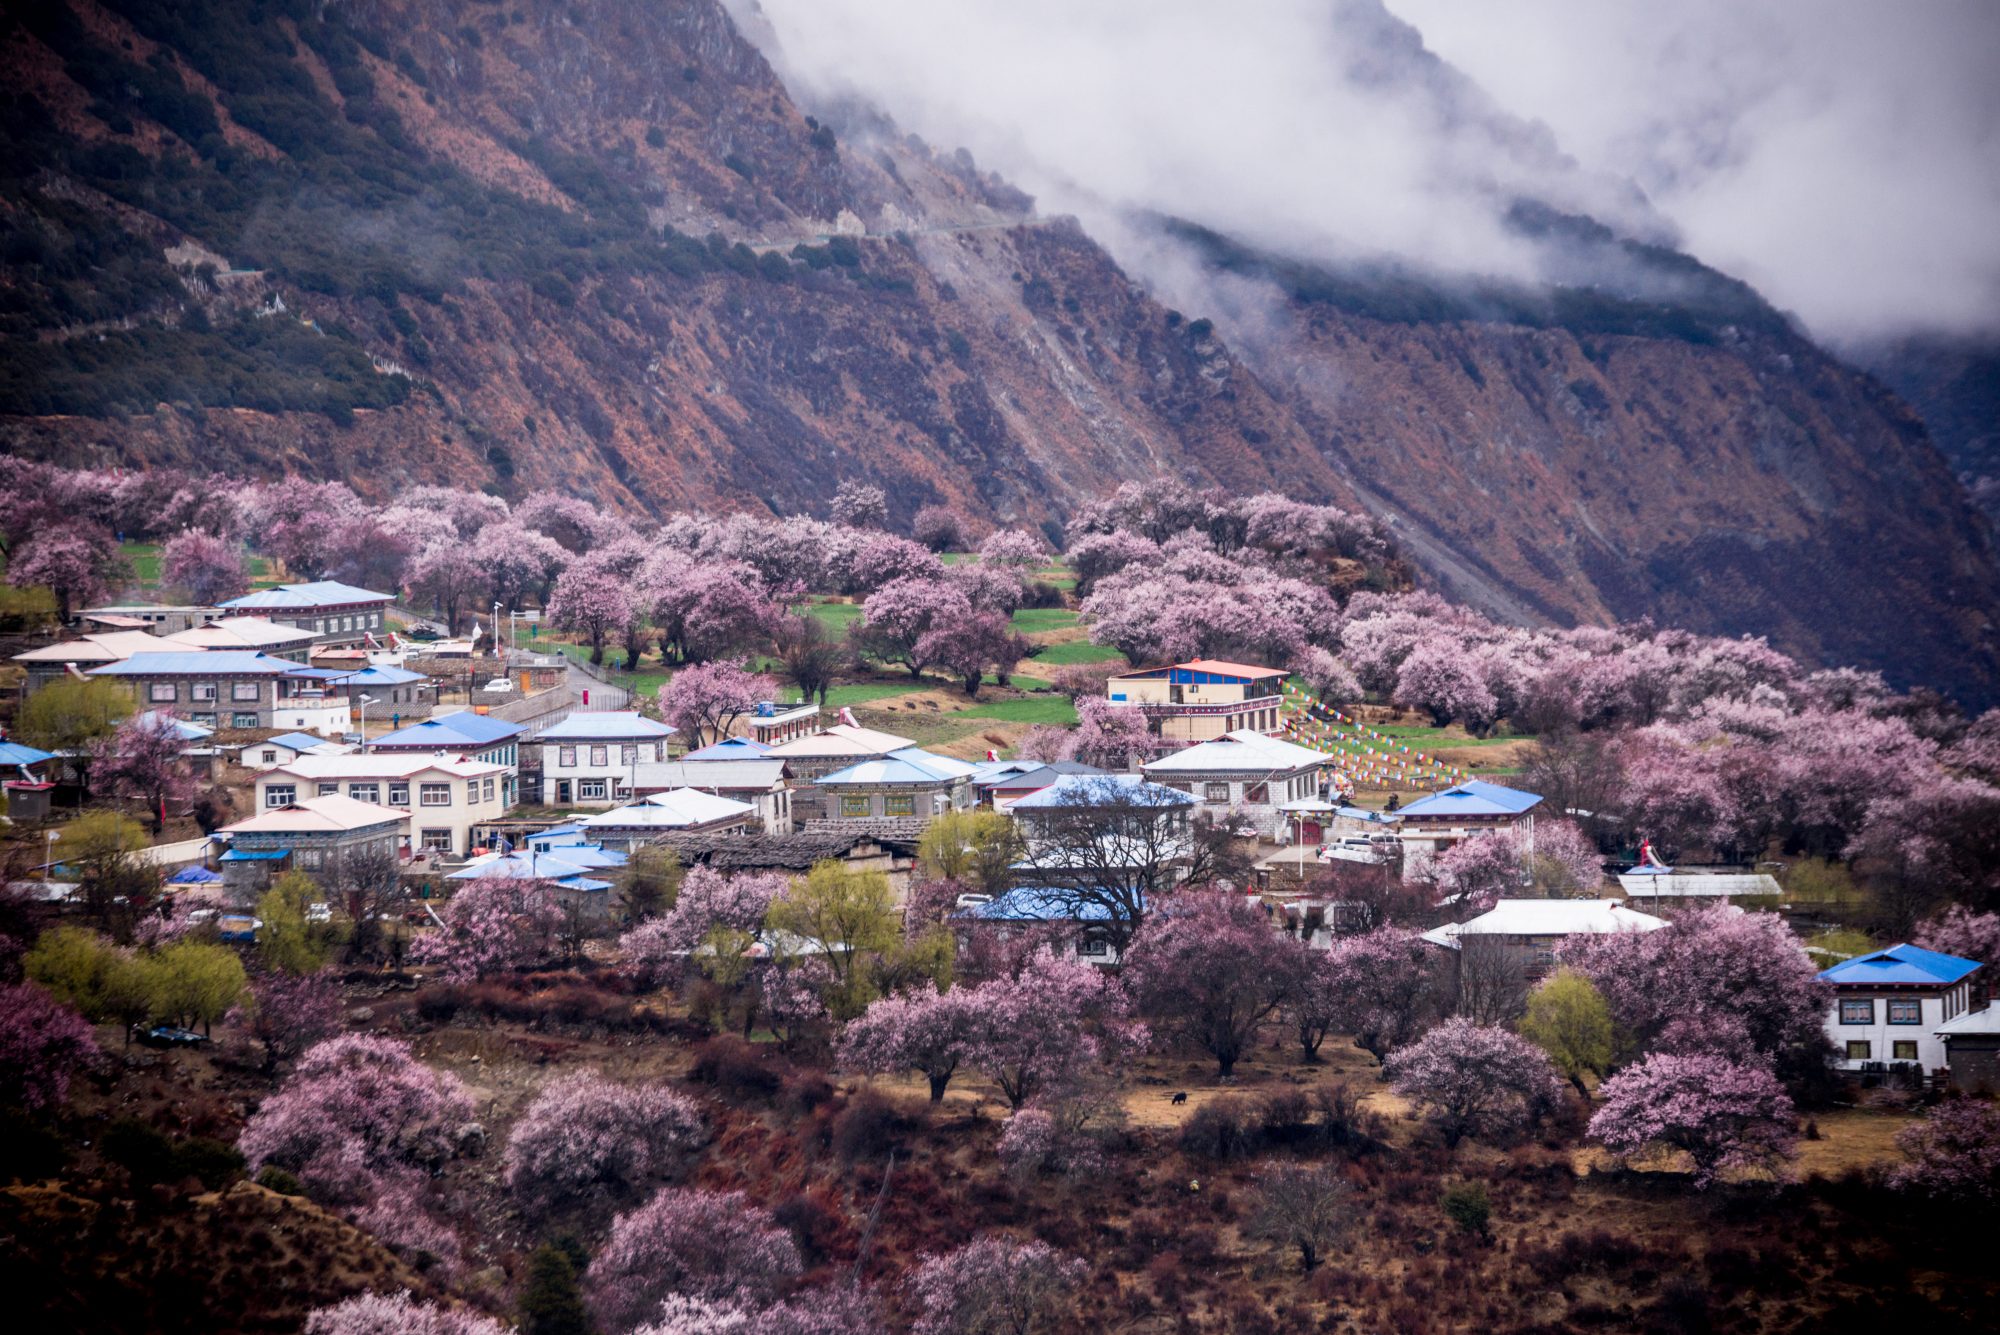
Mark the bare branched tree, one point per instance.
(1304, 1206)
(1492, 979)
(1106, 847)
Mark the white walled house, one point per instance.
(762, 783)
(682, 811)
(1889, 1004)
(589, 760)
(1430, 825)
(335, 613)
(287, 747)
(444, 795)
(1247, 773)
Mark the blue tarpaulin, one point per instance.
(194, 876)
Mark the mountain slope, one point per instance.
(596, 246)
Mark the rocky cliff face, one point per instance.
(596, 246)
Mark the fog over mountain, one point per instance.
(1844, 159)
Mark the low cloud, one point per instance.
(1844, 158)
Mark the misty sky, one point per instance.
(1842, 156)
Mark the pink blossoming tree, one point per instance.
(585, 1136)
(924, 1030)
(993, 1284)
(1953, 1154)
(210, 568)
(592, 602)
(43, 1043)
(897, 617)
(1056, 1021)
(1209, 971)
(704, 701)
(1385, 977)
(396, 1314)
(1722, 1114)
(492, 925)
(1476, 1080)
(143, 760)
(704, 1244)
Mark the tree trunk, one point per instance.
(1226, 1064)
(938, 1082)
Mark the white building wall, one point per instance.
(1881, 1036)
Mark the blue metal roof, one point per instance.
(1899, 966)
(730, 748)
(13, 753)
(254, 854)
(202, 663)
(1474, 797)
(1074, 790)
(1028, 903)
(379, 674)
(297, 741)
(607, 726)
(1372, 817)
(453, 730)
(318, 593)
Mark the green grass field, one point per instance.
(836, 617)
(144, 559)
(1077, 651)
(865, 692)
(1034, 620)
(1053, 709)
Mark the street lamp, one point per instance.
(364, 701)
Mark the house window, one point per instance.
(1215, 792)
(1903, 1050)
(1092, 948)
(280, 795)
(242, 720)
(270, 756)
(899, 804)
(565, 757)
(162, 693)
(1857, 1012)
(1257, 793)
(853, 806)
(328, 789)
(309, 858)
(489, 790)
(587, 789)
(364, 792)
(202, 690)
(245, 690)
(1906, 1012)
(1858, 1049)
(205, 720)
(628, 755)
(434, 794)
(436, 841)
(600, 756)
(399, 794)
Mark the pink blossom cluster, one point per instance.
(1475, 1080)
(491, 925)
(585, 1134)
(1722, 1114)
(709, 1245)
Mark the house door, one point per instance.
(1310, 832)
(562, 792)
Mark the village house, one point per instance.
(907, 784)
(317, 835)
(579, 875)
(1497, 957)
(855, 848)
(1683, 885)
(223, 688)
(253, 633)
(445, 795)
(1889, 1005)
(151, 618)
(475, 736)
(1079, 925)
(834, 748)
(1246, 773)
(999, 784)
(286, 747)
(590, 760)
(1972, 1050)
(770, 723)
(1432, 824)
(335, 613)
(762, 783)
(1201, 700)
(1115, 831)
(684, 810)
(730, 748)
(87, 652)
(396, 695)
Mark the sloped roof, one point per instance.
(766, 852)
(842, 739)
(1028, 903)
(201, 663)
(239, 632)
(316, 593)
(1900, 965)
(13, 753)
(388, 765)
(377, 674)
(1474, 797)
(1697, 885)
(183, 729)
(731, 748)
(1242, 750)
(332, 813)
(908, 765)
(1548, 917)
(681, 807)
(1214, 666)
(450, 732)
(708, 774)
(1031, 774)
(106, 647)
(605, 727)
(1085, 790)
(567, 866)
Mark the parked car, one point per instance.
(167, 1036)
(1353, 848)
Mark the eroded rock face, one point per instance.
(959, 349)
